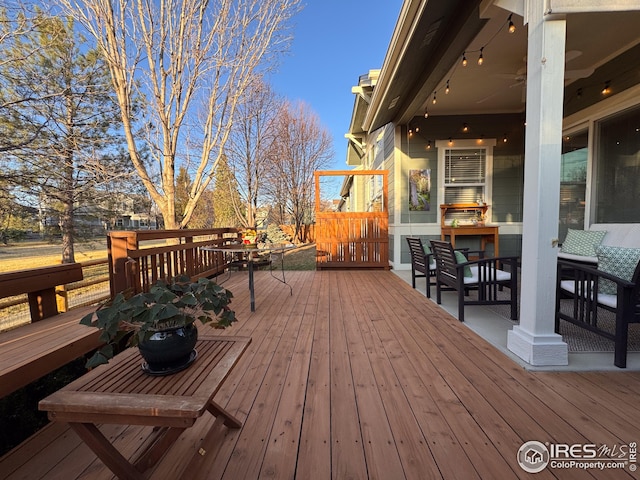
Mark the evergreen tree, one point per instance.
(69, 113)
(228, 207)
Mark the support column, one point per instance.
(535, 340)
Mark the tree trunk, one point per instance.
(66, 225)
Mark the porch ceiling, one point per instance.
(445, 29)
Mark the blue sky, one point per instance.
(335, 41)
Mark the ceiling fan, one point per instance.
(520, 76)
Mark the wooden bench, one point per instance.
(52, 339)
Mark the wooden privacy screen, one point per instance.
(353, 239)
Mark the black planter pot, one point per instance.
(169, 351)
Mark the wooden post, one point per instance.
(118, 244)
(62, 299)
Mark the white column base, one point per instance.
(538, 350)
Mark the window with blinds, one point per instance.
(465, 169)
(464, 175)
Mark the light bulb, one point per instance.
(434, 98)
(446, 89)
(480, 58)
(512, 27)
(426, 114)
(464, 60)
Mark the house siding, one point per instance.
(508, 181)
(508, 161)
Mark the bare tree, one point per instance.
(251, 140)
(303, 146)
(193, 60)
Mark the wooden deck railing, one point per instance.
(134, 265)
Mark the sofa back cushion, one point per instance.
(619, 234)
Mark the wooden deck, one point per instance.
(357, 375)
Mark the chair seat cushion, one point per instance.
(603, 298)
(501, 276)
(578, 258)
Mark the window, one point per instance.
(573, 181)
(464, 175)
(618, 168)
(465, 168)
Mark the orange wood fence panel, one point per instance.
(352, 239)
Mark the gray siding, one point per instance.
(508, 160)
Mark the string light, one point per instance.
(428, 144)
(465, 128)
(426, 114)
(511, 29)
(450, 141)
(504, 139)
(606, 90)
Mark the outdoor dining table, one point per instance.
(251, 255)
(121, 393)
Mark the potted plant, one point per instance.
(161, 322)
(479, 219)
(249, 237)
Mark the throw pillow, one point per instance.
(460, 258)
(618, 261)
(582, 242)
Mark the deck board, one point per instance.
(357, 375)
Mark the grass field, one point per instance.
(24, 255)
(302, 258)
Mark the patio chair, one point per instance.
(487, 276)
(589, 296)
(423, 264)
